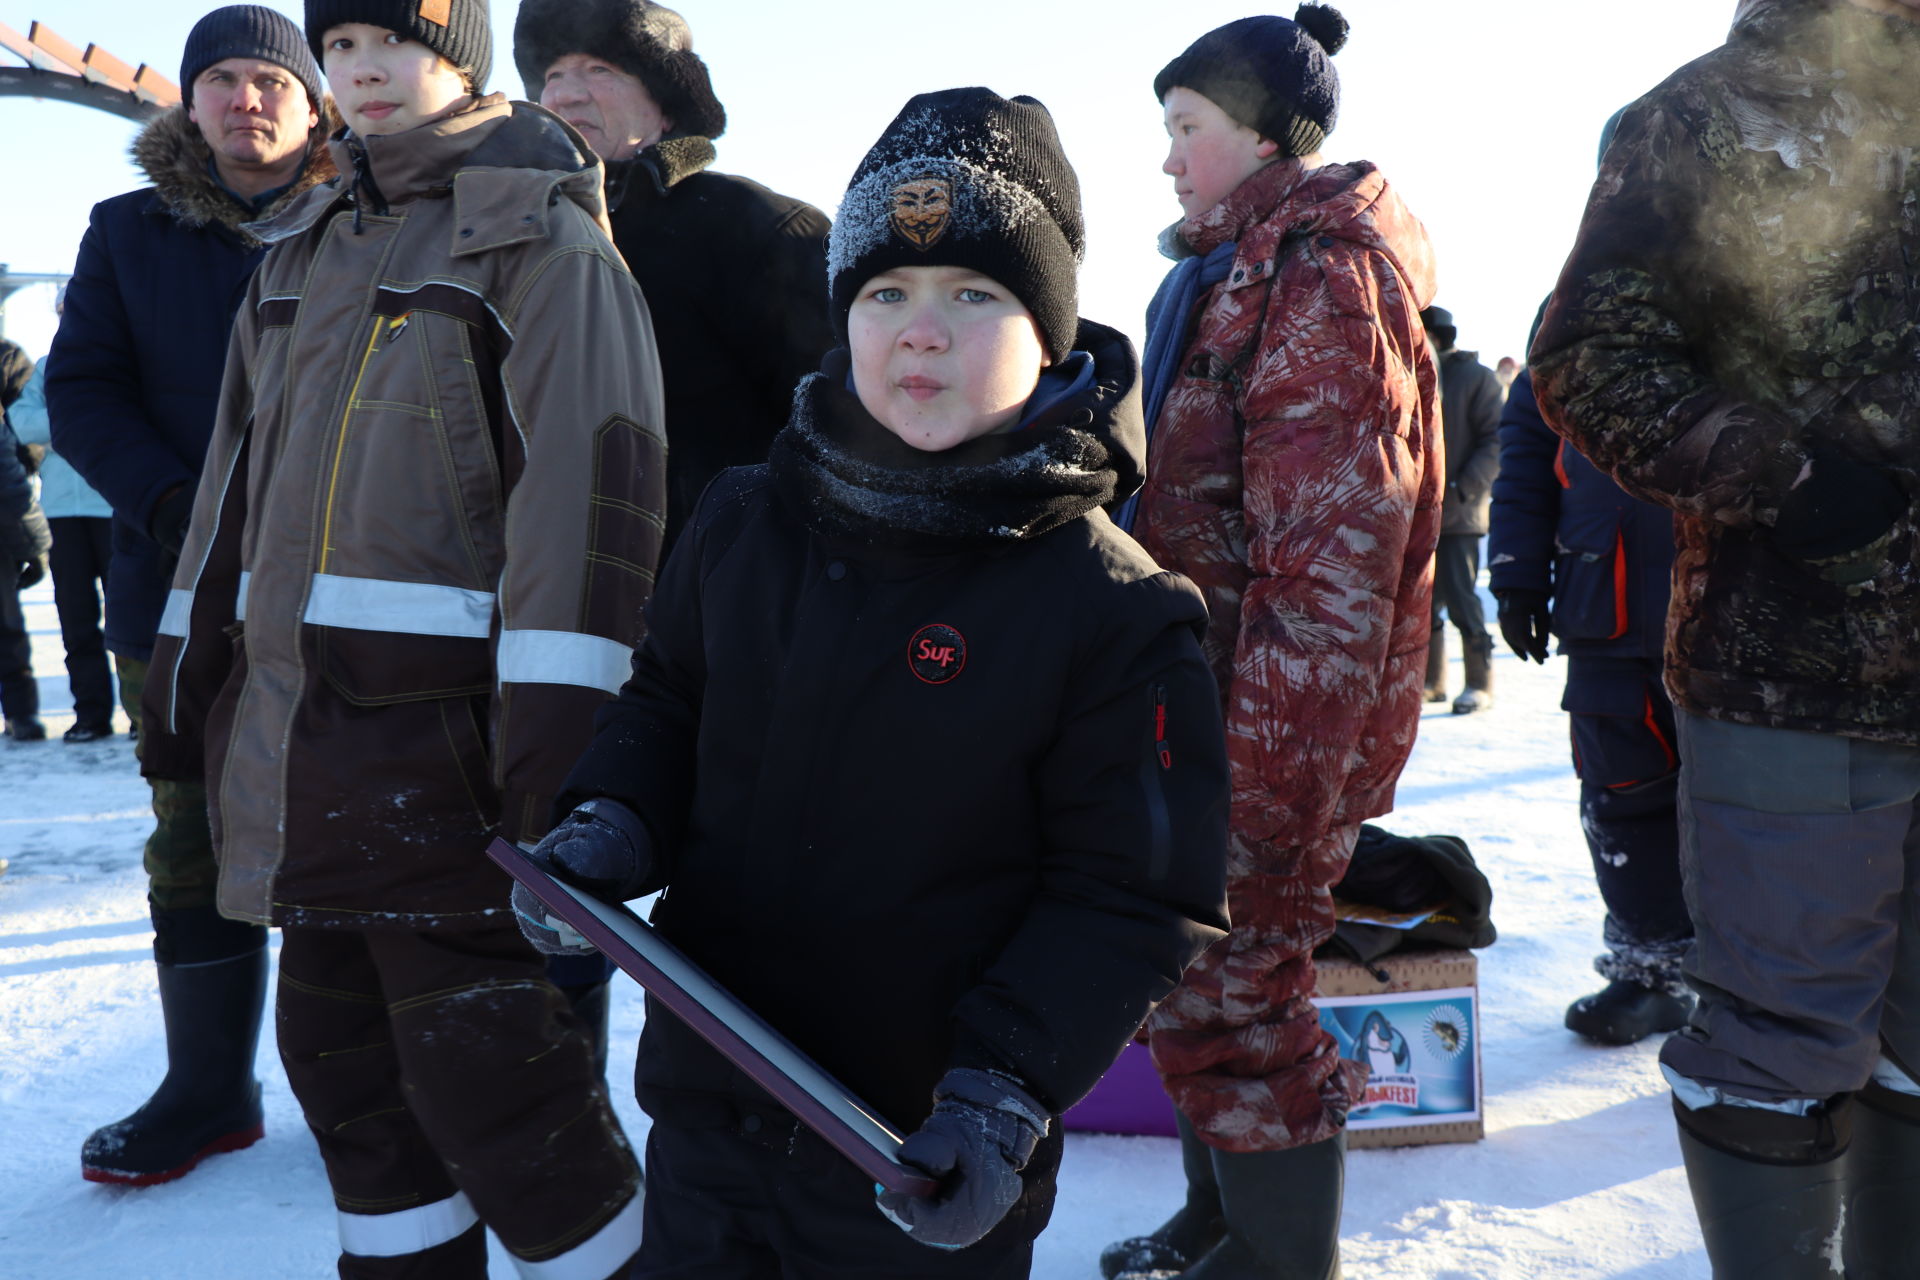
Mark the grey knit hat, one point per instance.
(457, 30)
(250, 31)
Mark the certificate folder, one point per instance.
(740, 1036)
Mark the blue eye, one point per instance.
(889, 294)
(975, 295)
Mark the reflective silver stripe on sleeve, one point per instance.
(411, 608)
(173, 619)
(600, 1254)
(240, 596)
(394, 1235)
(563, 657)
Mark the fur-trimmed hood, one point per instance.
(174, 156)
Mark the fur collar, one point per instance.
(658, 169)
(844, 475)
(174, 156)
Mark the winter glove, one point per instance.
(602, 847)
(981, 1134)
(1834, 518)
(1524, 621)
(31, 572)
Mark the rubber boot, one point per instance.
(209, 1101)
(1883, 1187)
(1437, 666)
(1283, 1214)
(1193, 1229)
(1769, 1189)
(1479, 692)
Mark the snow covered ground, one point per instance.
(1578, 1178)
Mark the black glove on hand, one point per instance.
(1843, 505)
(1525, 619)
(31, 572)
(980, 1136)
(602, 847)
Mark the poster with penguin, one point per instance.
(1421, 1048)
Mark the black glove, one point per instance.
(981, 1134)
(1842, 506)
(31, 572)
(602, 847)
(1525, 619)
(171, 514)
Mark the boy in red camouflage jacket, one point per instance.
(1294, 474)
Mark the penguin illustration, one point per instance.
(1387, 1050)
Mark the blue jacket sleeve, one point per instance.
(1526, 497)
(94, 394)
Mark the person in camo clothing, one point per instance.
(1294, 474)
(1737, 336)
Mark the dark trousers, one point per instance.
(1456, 566)
(764, 1199)
(19, 695)
(1801, 853)
(82, 550)
(1625, 753)
(447, 1085)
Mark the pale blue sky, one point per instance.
(1484, 112)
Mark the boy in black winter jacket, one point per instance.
(923, 749)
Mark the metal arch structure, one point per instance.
(60, 71)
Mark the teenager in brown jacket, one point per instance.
(416, 564)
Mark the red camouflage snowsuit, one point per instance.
(1297, 477)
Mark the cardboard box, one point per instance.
(1420, 1030)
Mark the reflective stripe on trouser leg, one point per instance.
(600, 1255)
(388, 1235)
(502, 1081)
(337, 1046)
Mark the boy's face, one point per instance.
(385, 83)
(942, 355)
(1212, 153)
(610, 107)
(253, 114)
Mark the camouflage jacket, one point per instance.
(1745, 289)
(1296, 476)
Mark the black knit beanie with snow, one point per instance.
(250, 31)
(967, 178)
(1274, 76)
(457, 30)
(648, 41)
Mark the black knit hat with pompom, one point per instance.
(1270, 74)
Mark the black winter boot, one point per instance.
(1437, 666)
(1883, 1187)
(1283, 1214)
(209, 1101)
(1769, 1189)
(1627, 1013)
(1478, 658)
(1193, 1229)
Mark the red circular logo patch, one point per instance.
(937, 653)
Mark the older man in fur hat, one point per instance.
(132, 384)
(734, 274)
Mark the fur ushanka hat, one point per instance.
(649, 41)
